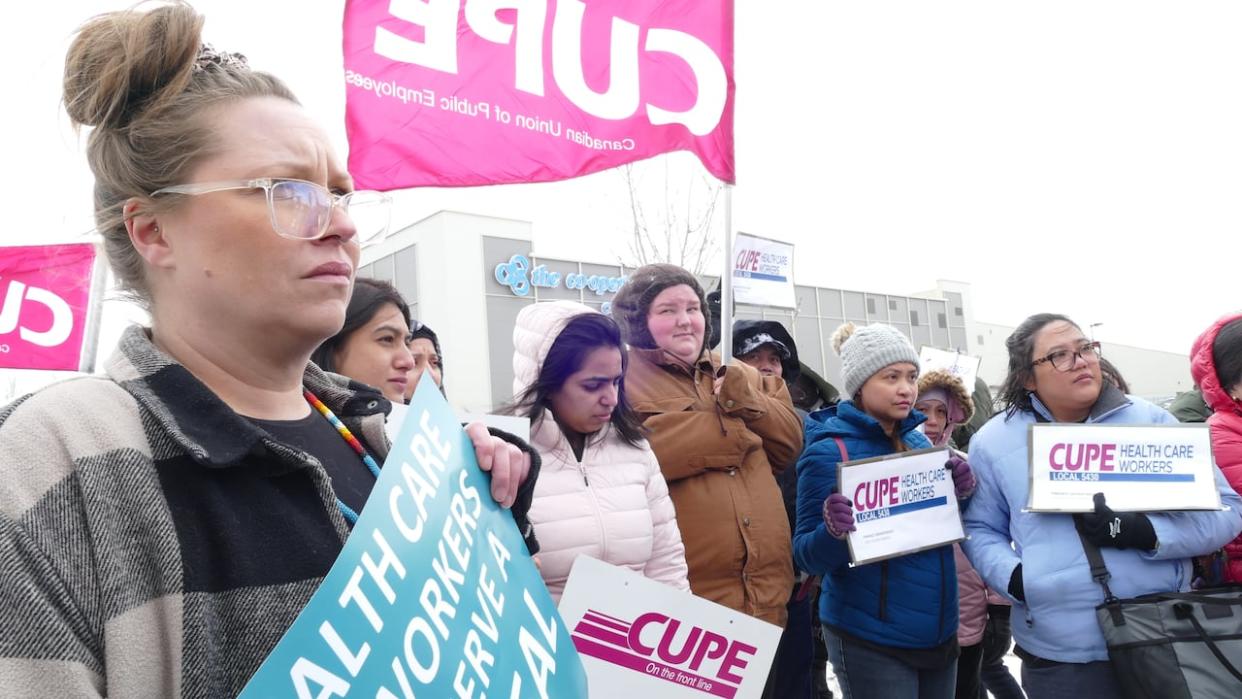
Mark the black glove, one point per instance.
(1124, 530)
(1016, 590)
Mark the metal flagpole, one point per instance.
(726, 283)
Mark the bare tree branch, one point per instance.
(681, 231)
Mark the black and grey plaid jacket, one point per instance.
(153, 543)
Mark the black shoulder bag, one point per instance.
(1172, 645)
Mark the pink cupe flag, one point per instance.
(472, 92)
(46, 291)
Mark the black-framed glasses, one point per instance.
(1065, 359)
(302, 210)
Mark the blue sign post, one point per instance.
(433, 595)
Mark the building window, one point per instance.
(981, 339)
(957, 311)
(892, 304)
(914, 318)
(871, 306)
(940, 318)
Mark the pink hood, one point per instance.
(537, 327)
(1203, 369)
(1226, 426)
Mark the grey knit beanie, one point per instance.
(869, 349)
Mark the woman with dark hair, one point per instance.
(163, 524)
(1216, 366)
(1038, 558)
(890, 626)
(371, 348)
(424, 348)
(600, 491)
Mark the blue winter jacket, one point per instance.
(1060, 622)
(906, 602)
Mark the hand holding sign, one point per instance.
(507, 464)
(838, 515)
(963, 478)
(1128, 530)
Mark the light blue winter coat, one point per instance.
(1058, 621)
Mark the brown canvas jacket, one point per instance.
(719, 455)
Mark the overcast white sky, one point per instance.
(1073, 156)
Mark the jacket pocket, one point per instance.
(672, 404)
(718, 462)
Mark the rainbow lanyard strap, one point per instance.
(351, 440)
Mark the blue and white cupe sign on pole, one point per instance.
(763, 271)
(433, 596)
(1139, 468)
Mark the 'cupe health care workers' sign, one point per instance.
(763, 271)
(1139, 468)
(433, 596)
(903, 503)
(643, 639)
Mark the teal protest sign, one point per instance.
(433, 595)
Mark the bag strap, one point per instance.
(1186, 611)
(845, 453)
(1100, 574)
(1099, 571)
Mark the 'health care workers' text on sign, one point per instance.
(1139, 468)
(763, 272)
(433, 595)
(963, 366)
(641, 638)
(902, 504)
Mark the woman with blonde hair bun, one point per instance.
(162, 525)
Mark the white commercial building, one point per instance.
(468, 276)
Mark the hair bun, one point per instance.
(843, 333)
(122, 63)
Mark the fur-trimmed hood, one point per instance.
(953, 389)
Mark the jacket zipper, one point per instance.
(715, 403)
(884, 591)
(944, 588)
(599, 517)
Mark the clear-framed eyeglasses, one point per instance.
(302, 210)
(1065, 359)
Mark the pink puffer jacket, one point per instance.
(972, 596)
(614, 504)
(1225, 423)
